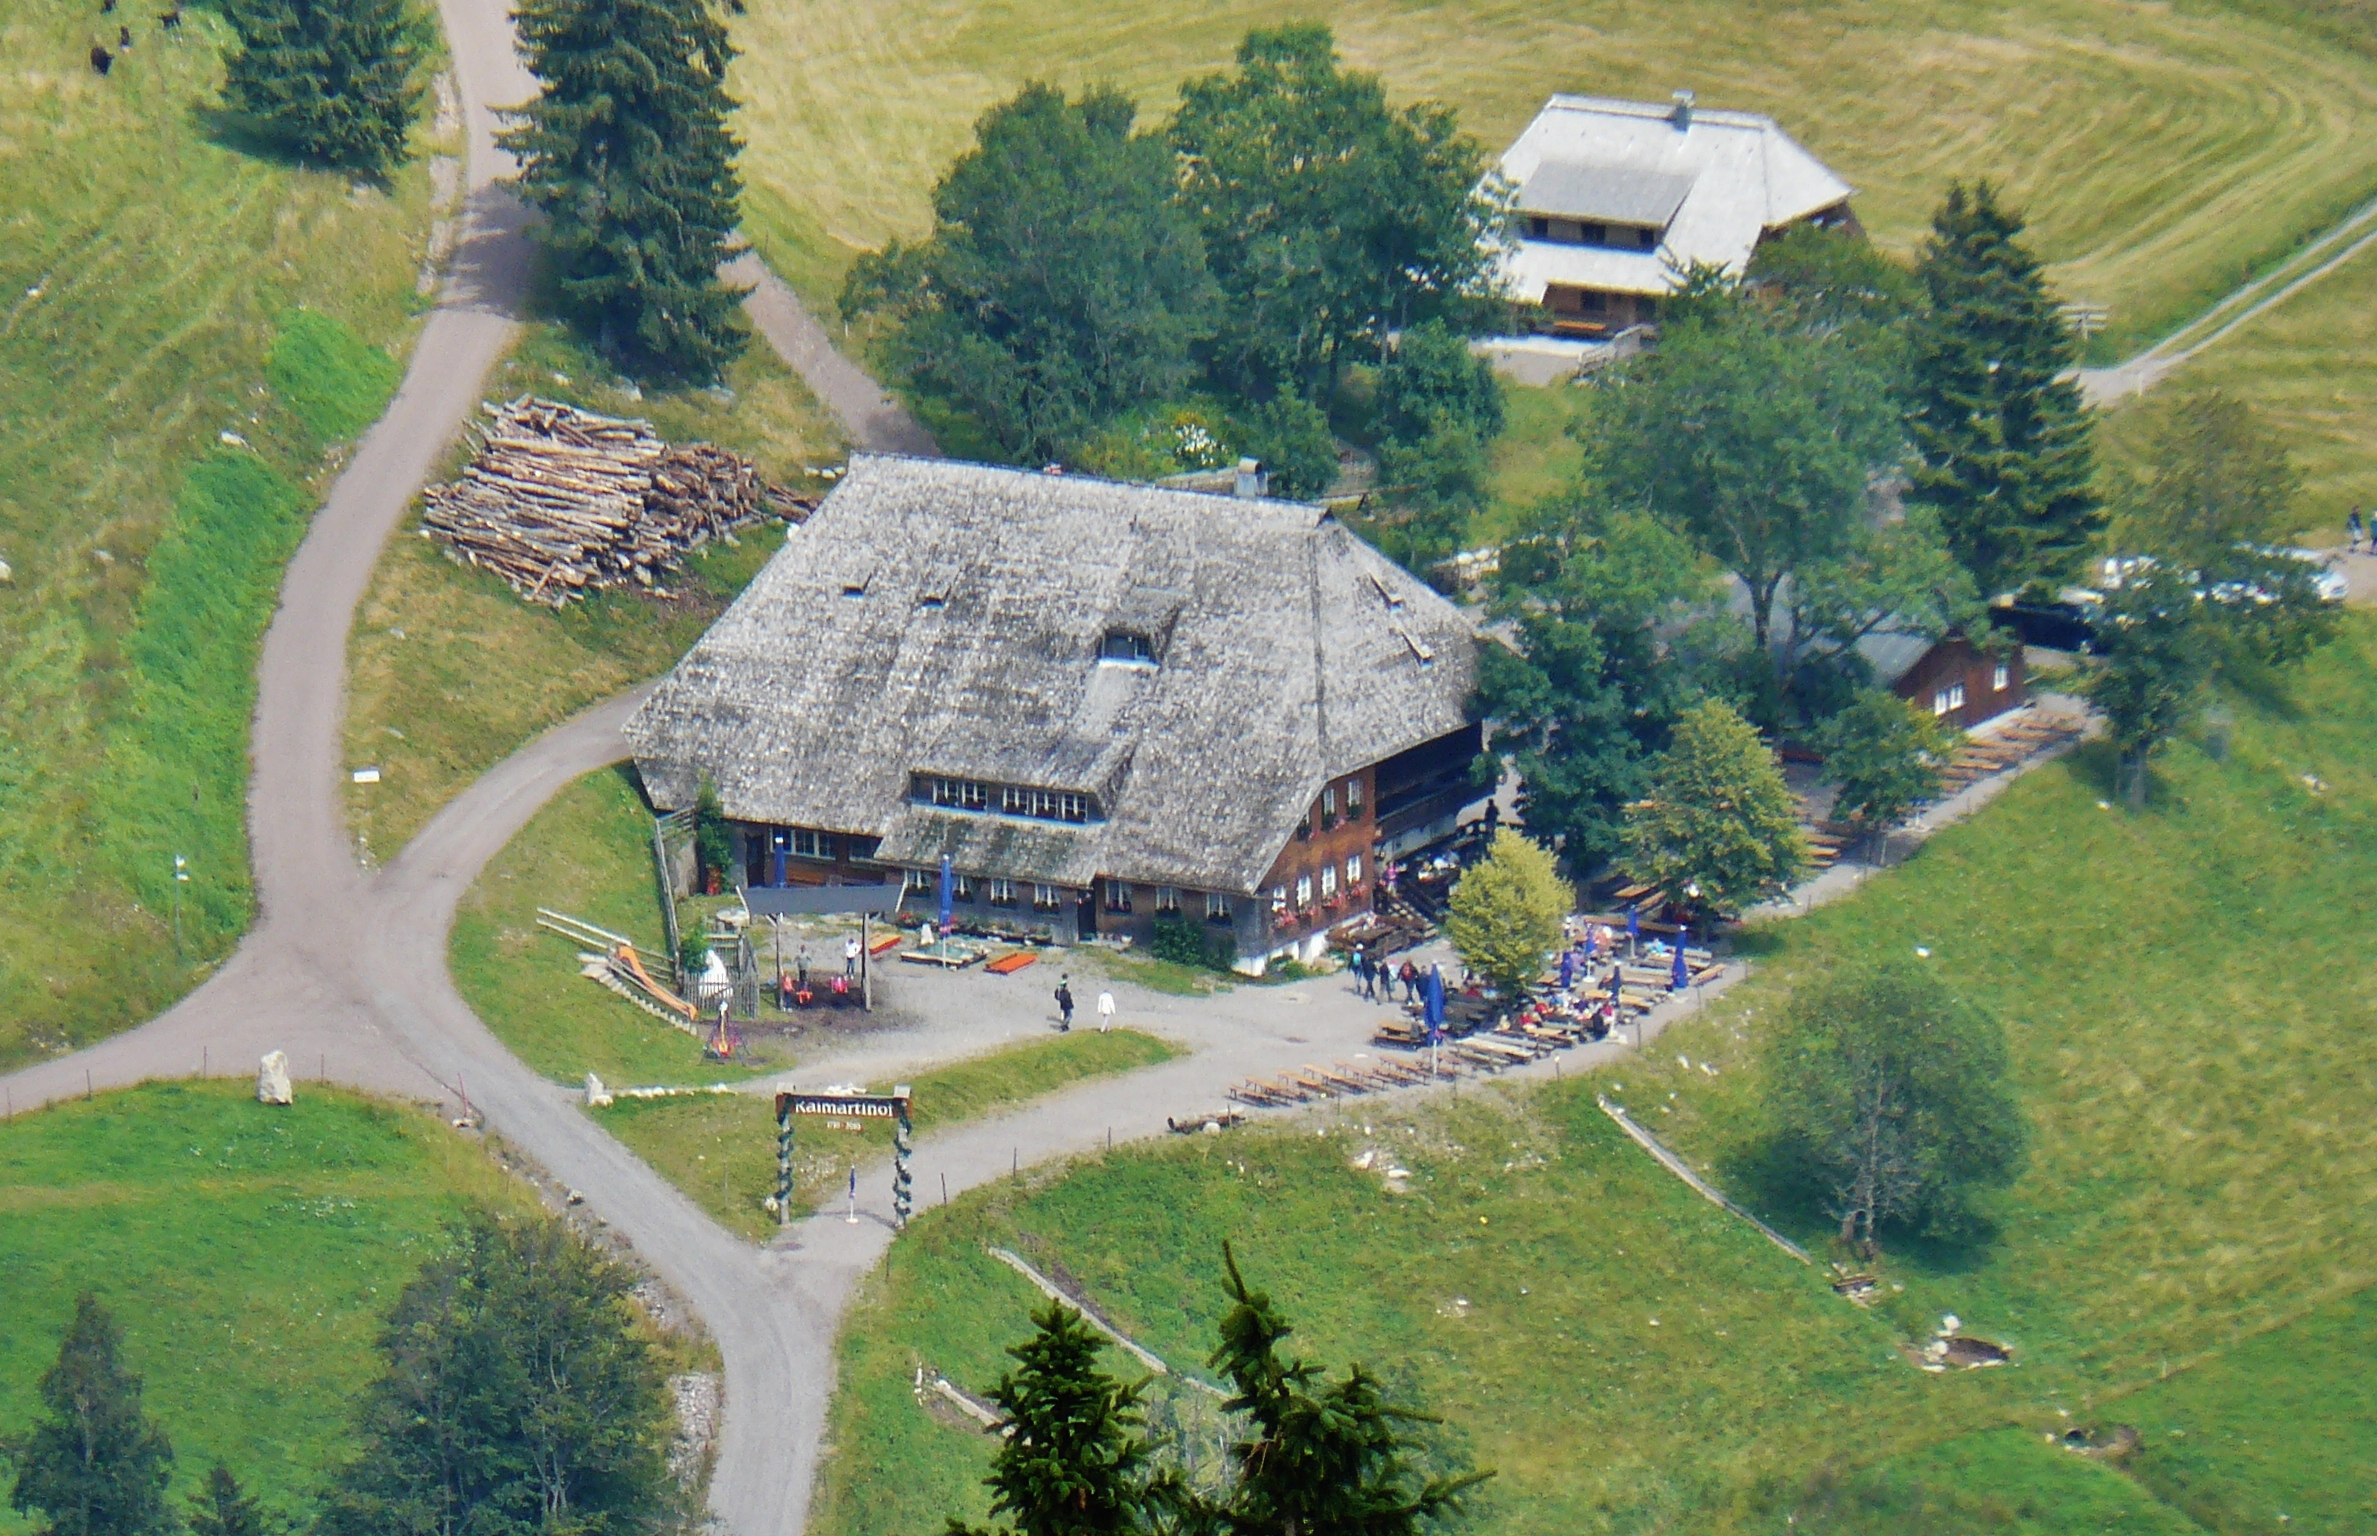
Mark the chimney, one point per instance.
(1252, 484)
(1681, 113)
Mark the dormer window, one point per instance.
(1128, 647)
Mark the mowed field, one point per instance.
(249, 1253)
(148, 265)
(2189, 1250)
(2163, 152)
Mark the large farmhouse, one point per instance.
(1103, 704)
(1616, 199)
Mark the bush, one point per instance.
(1186, 943)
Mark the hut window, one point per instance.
(1217, 908)
(1353, 798)
(918, 880)
(1002, 893)
(1118, 896)
(1329, 882)
(1279, 898)
(1303, 890)
(964, 890)
(1329, 803)
(1125, 645)
(1353, 869)
(1044, 898)
(2001, 677)
(807, 844)
(959, 794)
(1167, 898)
(1948, 700)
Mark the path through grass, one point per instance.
(248, 1252)
(146, 269)
(721, 1150)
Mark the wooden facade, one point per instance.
(1960, 683)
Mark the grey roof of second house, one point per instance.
(1615, 193)
(1289, 653)
(1893, 653)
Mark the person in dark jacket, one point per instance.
(1064, 1004)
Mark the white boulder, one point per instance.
(597, 1096)
(272, 1079)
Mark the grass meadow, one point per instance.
(425, 704)
(2188, 1250)
(249, 1253)
(160, 285)
(721, 1149)
(2164, 152)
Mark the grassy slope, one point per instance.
(2188, 1023)
(426, 704)
(2310, 365)
(2163, 153)
(722, 1150)
(587, 853)
(248, 1252)
(144, 271)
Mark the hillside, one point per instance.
(2163, 152)
(152, 264)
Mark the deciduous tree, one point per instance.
(335, 79)
(2005, 444)
(627, 152)
(1754, 438)
(1330, 217)
(1504, 914)
(94, 1464)
(1884, 756)
(1439, 411)
(1716, 829)
(518, 1397)
(1061, 285)
(1891, 1094)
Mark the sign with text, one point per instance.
(864, 1106)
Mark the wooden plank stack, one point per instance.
(560, 502)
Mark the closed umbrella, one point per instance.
(1681, 978)
(1567, 969)
(948, 895)
(1633, 928)
(1432, 1009)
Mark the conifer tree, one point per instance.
(96, 1465)
(627, 152)
(335, 79)
(1074, 1460)
(223, 1508)
(2003, 439)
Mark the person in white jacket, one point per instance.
(1105, 1012)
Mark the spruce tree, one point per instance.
(1074, 1460)
(335, 79)
(223, 1508)
(628, 153)
(96, 1465)
(2002, 435)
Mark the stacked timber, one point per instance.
(560, 502)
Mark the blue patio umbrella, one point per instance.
(1567, 969)
(1633, 926)
(1680, 978)
(948, 892)
(779, 841)
(1432, 1003)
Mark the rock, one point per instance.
(576, 1197)
(272, 1079)
(597, 1096)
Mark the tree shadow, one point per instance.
(244, 133)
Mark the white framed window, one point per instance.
(1118, 896)
(1044, 898)
(1353, 798)
(963, 888)
(918, 880)
(810, 845)
(1328, 882)
(1217, 907)
(1948, 700)
(2001, 677)
(1002, 893)
(1353, 869)
(1279, 898)
(1304, 890)
(1329, 801)
(1167, 898)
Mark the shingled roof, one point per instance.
(946, 618)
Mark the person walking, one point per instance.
(1064, 1005)
(2353, 531)
(1410, 976)
(850, 956)
(1105, 1010)
(1370, 975)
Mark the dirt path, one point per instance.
(2107, 386)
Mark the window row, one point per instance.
(1009, 799)
(1328, 885)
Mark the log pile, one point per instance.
(560, 502)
